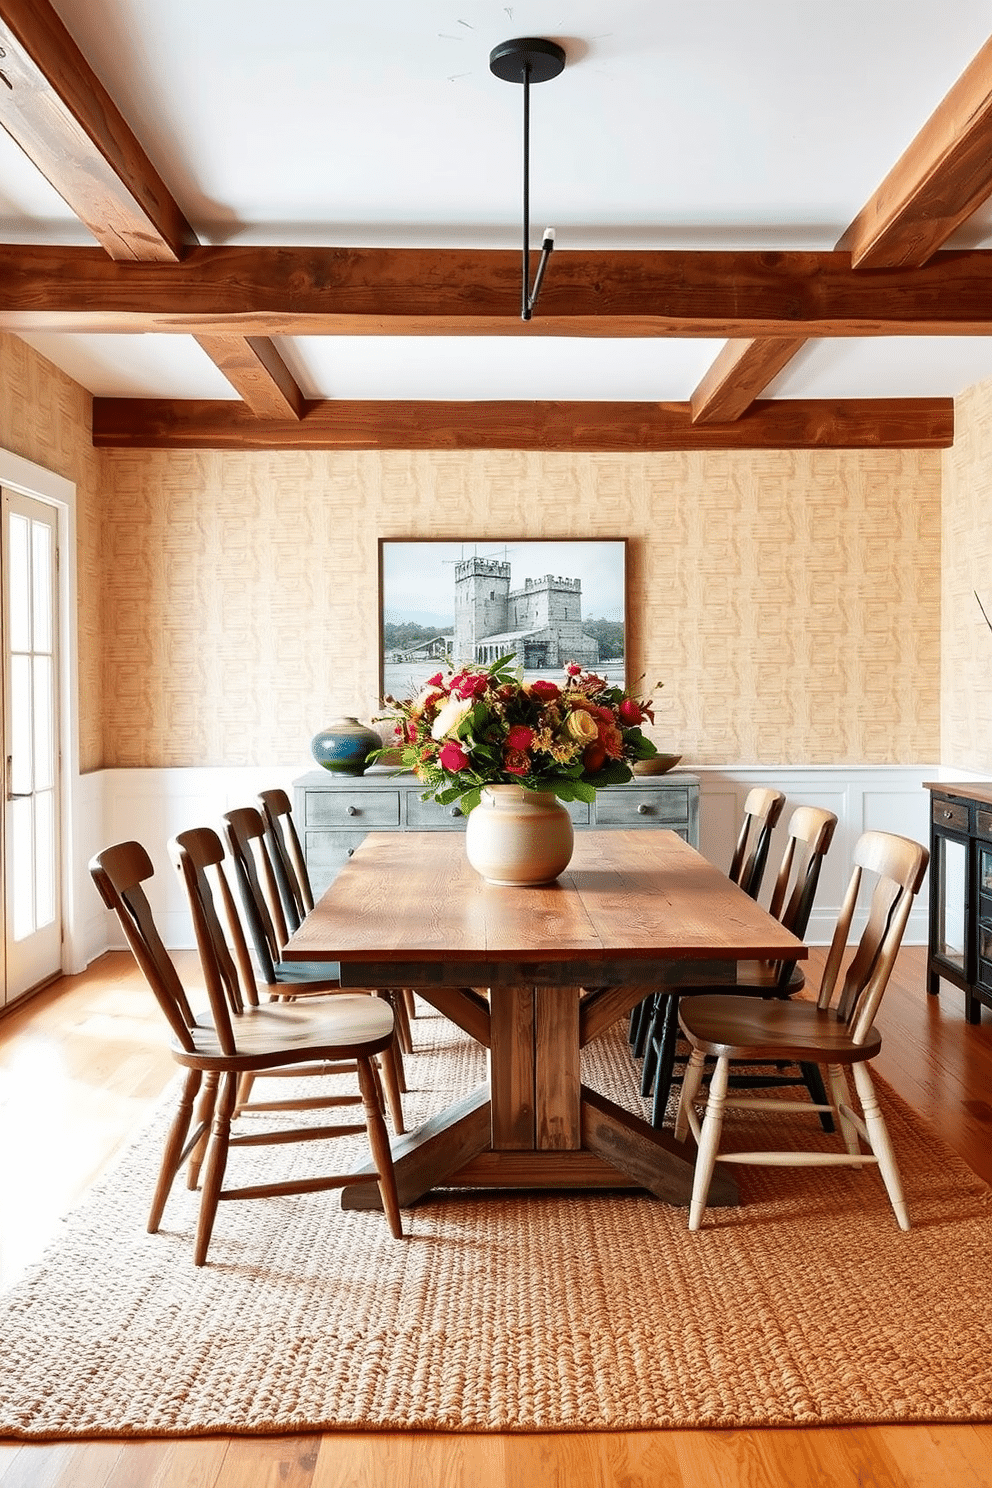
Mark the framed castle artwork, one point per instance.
(464, 603)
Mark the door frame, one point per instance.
(18, 474)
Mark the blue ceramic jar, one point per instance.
(344, 746)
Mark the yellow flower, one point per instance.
(582, 726)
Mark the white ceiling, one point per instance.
(676, 123)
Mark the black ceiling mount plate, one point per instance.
(510, 59)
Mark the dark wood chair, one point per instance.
(288, 859)
(239, 1036)
(837, 1032)
(810, 833)
(762, 809)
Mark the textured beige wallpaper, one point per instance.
(46, 417)
(790, 602)
(966, 734)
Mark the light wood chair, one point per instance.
(809, 835)
(239, 1036)
(837, 1031)
(258, 886)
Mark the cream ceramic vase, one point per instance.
(518, 837)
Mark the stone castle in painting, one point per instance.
(541, 624)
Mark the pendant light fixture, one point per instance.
(526, 60)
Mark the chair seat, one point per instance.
(276, 1033)
(742, 1027)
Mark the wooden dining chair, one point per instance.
(809, 836)
(293, 881)
(288, 859)
(238, 1035)
(316, 979)
(837, 1032)
(258, 887)
(762, 809)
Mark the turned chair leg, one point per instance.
(709, 1142)
(173, 1154)
(381, 1152)
(213, 1175)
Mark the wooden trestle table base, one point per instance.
(635, 910)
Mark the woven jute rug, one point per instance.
(805, 1305)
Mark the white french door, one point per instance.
(32, 899)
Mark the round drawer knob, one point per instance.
(948, 815)
(352, 810)
(643, 810)
(456, 811)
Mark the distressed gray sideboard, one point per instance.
(334, 812)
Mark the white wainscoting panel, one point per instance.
(153, 805)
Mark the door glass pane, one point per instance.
(22, 885)
(952, 868)
(41, 585)
(985, 870)
(44, 849)
(44, 703)
(20, 724)
(19, 584)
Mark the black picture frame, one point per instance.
(550, 601)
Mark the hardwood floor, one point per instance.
(83, 1062)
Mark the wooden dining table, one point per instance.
(535, 974)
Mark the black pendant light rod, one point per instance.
(528, 296)
(527, 60)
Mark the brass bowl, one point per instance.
(659, 764)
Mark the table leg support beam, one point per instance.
(652, 1158)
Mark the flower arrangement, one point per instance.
(479, 727)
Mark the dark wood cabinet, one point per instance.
(961, 891)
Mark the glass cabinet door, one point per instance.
(950, 870)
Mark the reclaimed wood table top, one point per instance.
(627, 895)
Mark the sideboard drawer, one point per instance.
(355, 808)
(642, 808)
(429, 816)
(983, 823)
(950, 814)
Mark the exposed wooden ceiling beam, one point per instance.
(65, 121)
(937, 183)
(741, 371)
(134, 423)
(451, 292)
(254, 367)
(58, 111)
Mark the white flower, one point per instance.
(449, 717)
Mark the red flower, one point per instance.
(520, 737)
(437, 680)
(630, 712)
(542, 689)
(516, 763)
(573, 669)
(453, 756)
